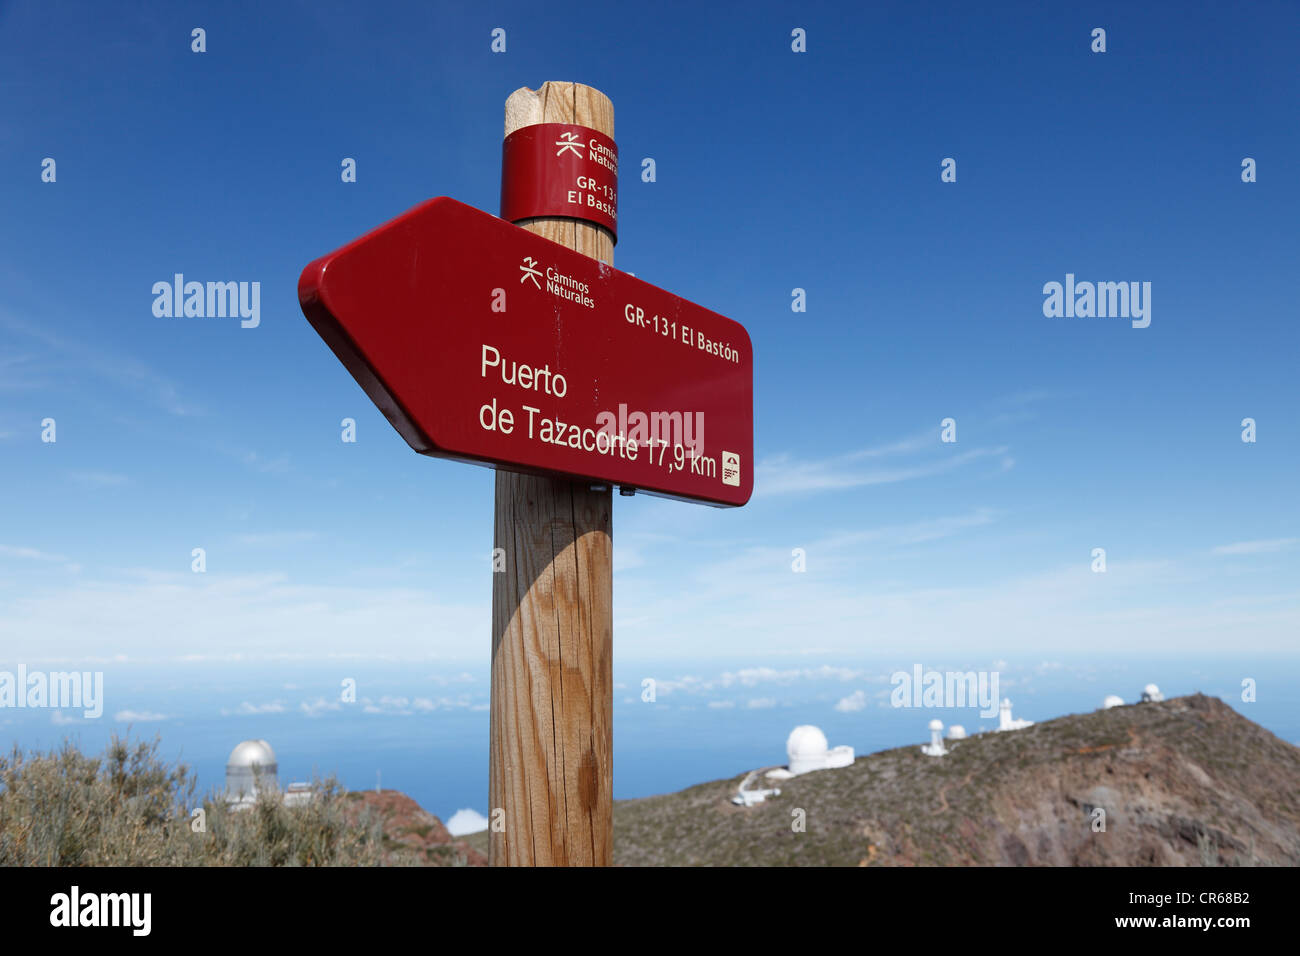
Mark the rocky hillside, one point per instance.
(1185, 782)
(411, 835)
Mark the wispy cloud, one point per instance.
(247, 709)
(233, 617)
(406, 706)
(915, 532)
(267, 466)
(864, 467)
(840, 553)
(854, 702)
(29, 554)
(276, 538)
(139, 717)
(1017, 408)
(319, 706)
(100, 361)
(1267, 546)
(98, 479)
(754, 676)
(848, 599)
(17, 373)
(781, 474)
(905, 446)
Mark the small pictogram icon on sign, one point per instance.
(731, 468)
(568, 141)
(529, 271)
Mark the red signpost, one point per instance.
(485, 342)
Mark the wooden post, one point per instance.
(550, 779)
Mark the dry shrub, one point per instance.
(131, 808)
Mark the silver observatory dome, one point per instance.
(250, 768)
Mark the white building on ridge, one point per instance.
(1006, 721)
(935, 747)
(746, 797)
(1151, 694)
(807, 750)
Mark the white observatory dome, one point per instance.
(936, 724)
(806, 747)
(956, 732)
(1152, 693)
(251, 763)
(1112, 700)
(806, 741)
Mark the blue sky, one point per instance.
(775, 170)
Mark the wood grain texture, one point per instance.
(551, 765)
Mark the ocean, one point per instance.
(422, 727)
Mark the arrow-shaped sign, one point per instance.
(482, 342)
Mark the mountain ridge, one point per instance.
(1186, 781)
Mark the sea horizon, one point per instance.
(421, 727)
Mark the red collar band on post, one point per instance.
(560, 169)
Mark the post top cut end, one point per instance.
(558, 101)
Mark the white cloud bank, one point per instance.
(466, 821)
(147, 615)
